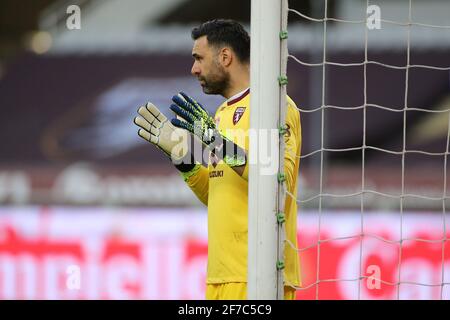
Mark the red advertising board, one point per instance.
(110, 253)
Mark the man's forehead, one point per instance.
(200, 44)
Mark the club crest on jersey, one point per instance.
(238, 113)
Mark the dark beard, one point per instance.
(217, 83)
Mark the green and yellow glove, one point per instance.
(196, 120)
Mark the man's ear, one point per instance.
(225, 56)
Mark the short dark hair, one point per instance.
(225, 32)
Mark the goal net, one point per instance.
(371, 81)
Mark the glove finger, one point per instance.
(150, 118)
(182, 113)
(197, 109)
(148, 136)
(141, 122)
(180, 101)
(155, 131)
(192, 101)
(188, 106)
(147, 126)
(155, 112)
(182, 124)
(144, 134)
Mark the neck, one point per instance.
(238, 83)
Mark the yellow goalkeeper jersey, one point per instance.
(225, 193)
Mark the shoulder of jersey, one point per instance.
(292, 107)
(221, 107)
(291, 102)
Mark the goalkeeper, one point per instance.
(221, 55)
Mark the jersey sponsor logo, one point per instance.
(216, 174)
(238, 113)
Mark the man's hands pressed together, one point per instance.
(192, 120)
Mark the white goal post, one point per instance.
(268, 103)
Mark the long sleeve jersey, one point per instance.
(225, 193)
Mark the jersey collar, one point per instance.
(238, 97)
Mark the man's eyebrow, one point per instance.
(195, 55)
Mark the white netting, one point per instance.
(367, 190)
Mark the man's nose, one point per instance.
(195, 70)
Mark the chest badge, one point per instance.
(238, 113)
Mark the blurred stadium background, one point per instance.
(78, 187)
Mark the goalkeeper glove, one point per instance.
(198, 122)
(155, 128)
